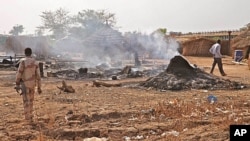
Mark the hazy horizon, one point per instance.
(140, 15)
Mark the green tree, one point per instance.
(86, 22)
(16, 30)
(89, 21)
(89, 18)
(162, 30)
(56, 22)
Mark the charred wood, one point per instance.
(99, 84)
(66, 88)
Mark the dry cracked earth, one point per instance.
(126, 113)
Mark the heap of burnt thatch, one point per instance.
(181, 75)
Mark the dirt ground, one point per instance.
(125, 113)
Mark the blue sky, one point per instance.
(136, 15)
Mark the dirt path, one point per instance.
(121, 113)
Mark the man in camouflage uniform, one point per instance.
(28, 76)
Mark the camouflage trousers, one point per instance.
(28, 99)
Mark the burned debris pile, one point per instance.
(103, 71)
(180, 74)
(8, 62)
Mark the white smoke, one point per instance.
(109, 46)
(157, 44)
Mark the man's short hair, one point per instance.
(28, 51)
(218, 41)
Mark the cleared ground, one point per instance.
(122, 113)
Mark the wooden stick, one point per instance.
(99, 84)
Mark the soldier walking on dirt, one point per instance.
(27, 78)
(215, 50)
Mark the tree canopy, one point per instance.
(16, 30)
(84, 23)
(87, 22)
(56, 22)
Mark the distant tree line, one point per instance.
(60, 23)
(86, 22)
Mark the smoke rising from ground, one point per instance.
(104, 46)
(96, 45)
(109, 46)
(160, 46)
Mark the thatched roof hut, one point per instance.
(242, 42)
(196, 47)
(201, 46)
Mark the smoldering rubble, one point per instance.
(106, 73)
(180, 74)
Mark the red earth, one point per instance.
(125, 113)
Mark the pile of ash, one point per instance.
(104, 72)
(180, 74)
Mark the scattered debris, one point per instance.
(148, 111)
(66, 88)
(95, 139)
(114, 77)
(138, 137)
(70, 73)
(69, 115)
(212, 99)
(174, 133)
(103, 66)
(126, 138)
(83, 71)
